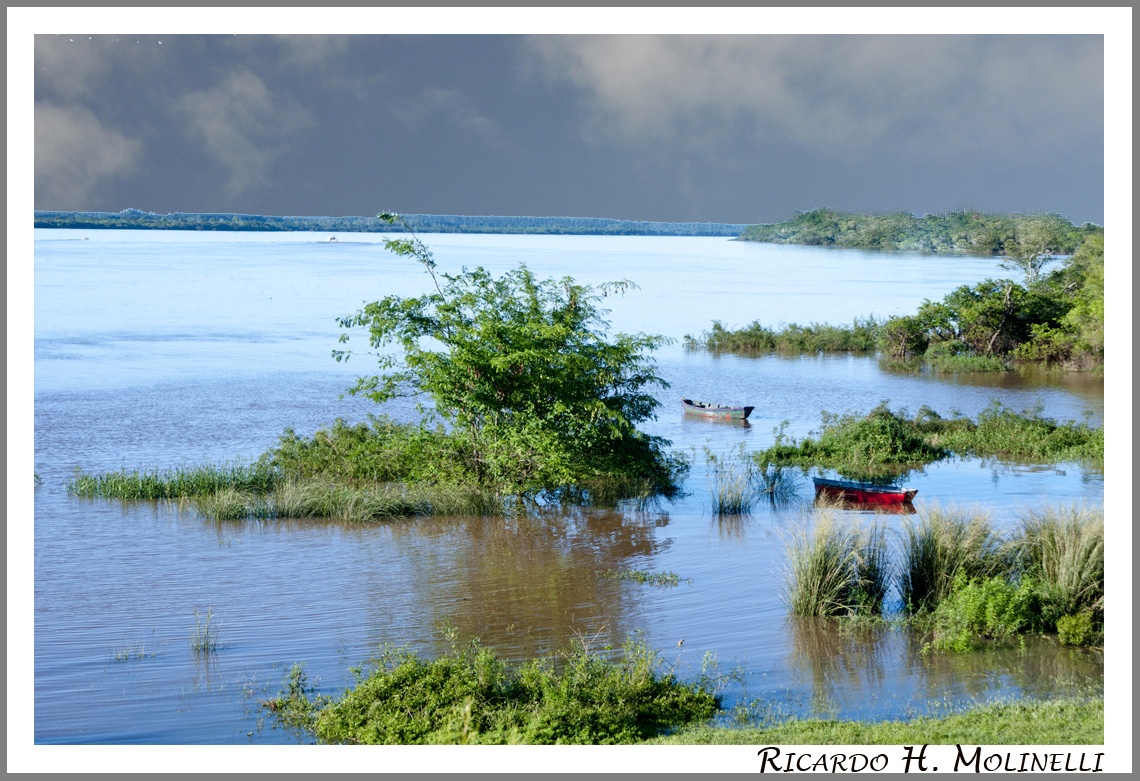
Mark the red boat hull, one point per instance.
(863, 494)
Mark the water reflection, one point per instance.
(862, 669)
(837, 660)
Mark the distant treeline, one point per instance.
(961, 232)
(135, 219)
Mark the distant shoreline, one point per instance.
(135, 219)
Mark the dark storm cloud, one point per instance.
(725, 128)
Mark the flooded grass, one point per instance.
(175, 483)
(322, 499)
(883, 441)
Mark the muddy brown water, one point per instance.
(165, 349)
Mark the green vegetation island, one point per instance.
(135, 219)
(955, 233)
(1051, 316)
(533, 402)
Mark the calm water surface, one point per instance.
(164, 349)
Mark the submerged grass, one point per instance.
(658, 579)
(470, 696)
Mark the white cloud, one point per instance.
(75, 153)
(243, 126)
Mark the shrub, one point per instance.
(992, 608)
(1076, 629)
(470, 696)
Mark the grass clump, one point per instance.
(733, 485)
(969, 586)
(1063, 548)
(837, 568)
(204, 640)
(941, 544)
(470, 696)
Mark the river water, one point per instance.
(157, 349)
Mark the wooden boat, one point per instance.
(862, 493)
(721, 411)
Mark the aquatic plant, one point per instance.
(173, 483)
(940, 544)
(1063, 546)
(837, 567)
(469, 695)
(733, 481)
(204, 640)
(658, 579)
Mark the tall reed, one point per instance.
(205, 637)
(837, 567)
(1064, 547)
(732, 481)
(938, 544)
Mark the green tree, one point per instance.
(1035, 244)
(524, 371)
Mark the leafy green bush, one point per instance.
(470, 696)
(1076, 629)
(537, 394)
(992, 608)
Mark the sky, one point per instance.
(721, 128)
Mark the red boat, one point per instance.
(862, 493)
